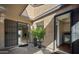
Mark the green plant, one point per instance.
(34, 33)
(38, 33)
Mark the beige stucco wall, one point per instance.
(1, 32)
(1, 35)
(49, 27)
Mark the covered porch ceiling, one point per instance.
(33, 11)
(13, 12)
(28, 12)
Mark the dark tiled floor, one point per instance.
(65, 47)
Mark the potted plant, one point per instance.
(34, 37)
(40, 32)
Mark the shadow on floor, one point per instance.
(30, 49)
(57, 52)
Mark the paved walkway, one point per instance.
(30, 49)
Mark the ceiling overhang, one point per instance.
(36, 5)
(25, 12)
(48, 11)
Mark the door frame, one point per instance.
(55, 29)
(23, 24)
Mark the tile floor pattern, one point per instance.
(26, 50)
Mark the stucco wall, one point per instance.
(49, 27)
(1, 33)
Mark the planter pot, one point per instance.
(39, 44)
(35, 42)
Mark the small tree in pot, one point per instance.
(40, 32)
(34, 33)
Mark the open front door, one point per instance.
(63, 32)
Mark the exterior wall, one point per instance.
(1, 32)
(1, 35)
(49, 27)
(48, 23)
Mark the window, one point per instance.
(40, 24)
